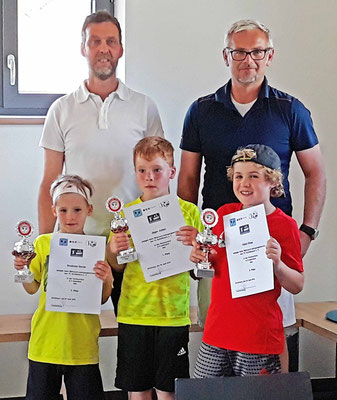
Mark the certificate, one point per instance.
(246, 235)
(72, 285)
(153, 225)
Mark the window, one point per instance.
(41, 51)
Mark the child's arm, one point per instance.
(19, 263)
(103, 271)
(187, 234)
(118, 242)
(289, 278)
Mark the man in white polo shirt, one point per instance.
(92, 131)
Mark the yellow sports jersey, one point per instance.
(160, 303)
(58, 337)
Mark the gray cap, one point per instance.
(264, 155)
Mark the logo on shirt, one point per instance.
(244, 229)
(153, 218)
(63, 242)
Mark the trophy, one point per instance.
(206, 241)
(120, 224)
(25, 249)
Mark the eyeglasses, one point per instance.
(240, 55)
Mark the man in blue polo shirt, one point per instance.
(247, 110)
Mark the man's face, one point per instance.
(248, 71)
(102, 49)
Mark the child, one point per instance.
(64, 343)
(153, 317)
(244, 336)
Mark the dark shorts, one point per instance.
(116, 291)
(215, 362)
(151, 357)
(82, 382)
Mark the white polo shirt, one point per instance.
(97, 139)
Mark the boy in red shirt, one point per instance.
(244, 336)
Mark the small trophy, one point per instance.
(25, 249)
(120, 224)
(206, 241)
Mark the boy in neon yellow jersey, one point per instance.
(64, 344)
(153, 317)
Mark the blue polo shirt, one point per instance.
(214, 128)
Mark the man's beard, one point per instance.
(105, 73)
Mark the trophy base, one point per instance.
(127, 256)
(23, 277)
(202, 272)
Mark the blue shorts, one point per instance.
(82, 382)
(151, 357)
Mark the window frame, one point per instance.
(12, 103)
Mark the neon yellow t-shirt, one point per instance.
(160, 303)
(57, 337)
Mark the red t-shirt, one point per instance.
(251, 324)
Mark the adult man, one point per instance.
(246, 110)
(92, 131)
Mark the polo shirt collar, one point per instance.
(223, 95)
(82, 93)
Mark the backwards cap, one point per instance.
(263, 155)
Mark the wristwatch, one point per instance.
(312, 232)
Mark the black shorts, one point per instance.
(82, 382)
(151, 357)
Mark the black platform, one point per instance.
(292, 386)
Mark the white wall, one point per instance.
(173, 53)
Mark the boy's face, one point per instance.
(153, 176)
(72, 210)
(250, 185)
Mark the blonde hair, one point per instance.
(151, 146)
(247, 25)
(274, 176)
(82, 185)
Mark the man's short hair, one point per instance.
(152, 146)
(97, 18)
(246, 25)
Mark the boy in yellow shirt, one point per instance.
(64, 344)
(153, 317)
